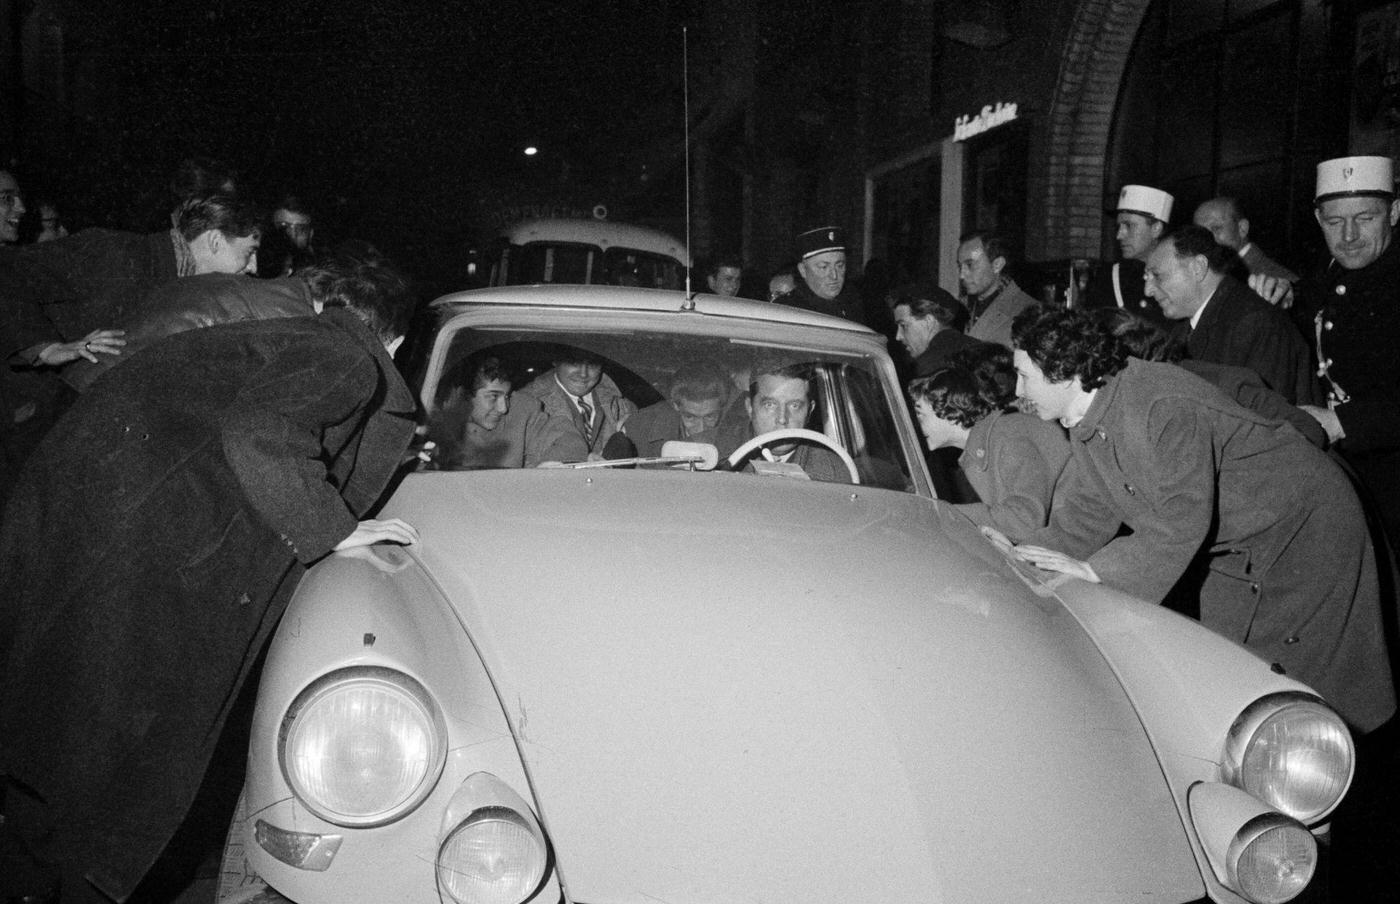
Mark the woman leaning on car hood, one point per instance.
(151, 546)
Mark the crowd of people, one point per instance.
(1200, 427)
(163, 505)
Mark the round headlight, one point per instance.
(496, 856)
(363, 746)
(1273, 859)
(1292, 752)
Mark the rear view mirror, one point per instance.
(698, 456)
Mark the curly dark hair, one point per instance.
(990, 365)
(953, 395)
(1068, 344)
(1143, 338)
(977, 382)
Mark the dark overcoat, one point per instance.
(1241, 329)
(846, 305)
(91, 280)
(58, 292)
(1292, 574)
(149, 549)
(945, 343)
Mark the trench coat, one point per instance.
(150, 548)
(1292, 573)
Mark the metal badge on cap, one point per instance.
(1343, 176)
(820, 240)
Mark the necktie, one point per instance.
(586, 411)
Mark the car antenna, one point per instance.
(689, 303)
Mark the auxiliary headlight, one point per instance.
(495, 856)
(363, 746)
(1292, 752)
(1259, 853)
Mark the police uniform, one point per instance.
(1122, 284)
(1354, 320)
(847, 304)
(1355, 326)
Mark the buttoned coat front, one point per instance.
(151, 546)
(1292, 574)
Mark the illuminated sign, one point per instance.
(965, 127)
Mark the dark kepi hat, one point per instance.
(820, 240)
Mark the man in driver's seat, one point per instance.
(780, 398)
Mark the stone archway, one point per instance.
(1069, 173)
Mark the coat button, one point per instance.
(1290, 640)
(981, 453)
(1341, 290)
(1129, 488)
(1254, 587)
(244, 599)
(1327, 325)
(1101, 434)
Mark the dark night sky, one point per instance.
(397, 117)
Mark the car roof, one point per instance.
(624, 298)
(603, 233)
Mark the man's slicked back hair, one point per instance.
(232, 216)
(368, 286)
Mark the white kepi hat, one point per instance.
(1146, 200)
(1344, 176)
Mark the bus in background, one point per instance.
(583, 252)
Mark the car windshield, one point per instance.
(570, 263)
(851, 402)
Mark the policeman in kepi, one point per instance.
(1141, 217)
(1352, 310)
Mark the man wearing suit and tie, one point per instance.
(584, 407)
(1229, 324)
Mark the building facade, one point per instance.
(911, 122)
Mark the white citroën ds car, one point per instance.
(671, 681)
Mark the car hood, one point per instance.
(728, 688)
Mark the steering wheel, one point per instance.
(772, 436)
